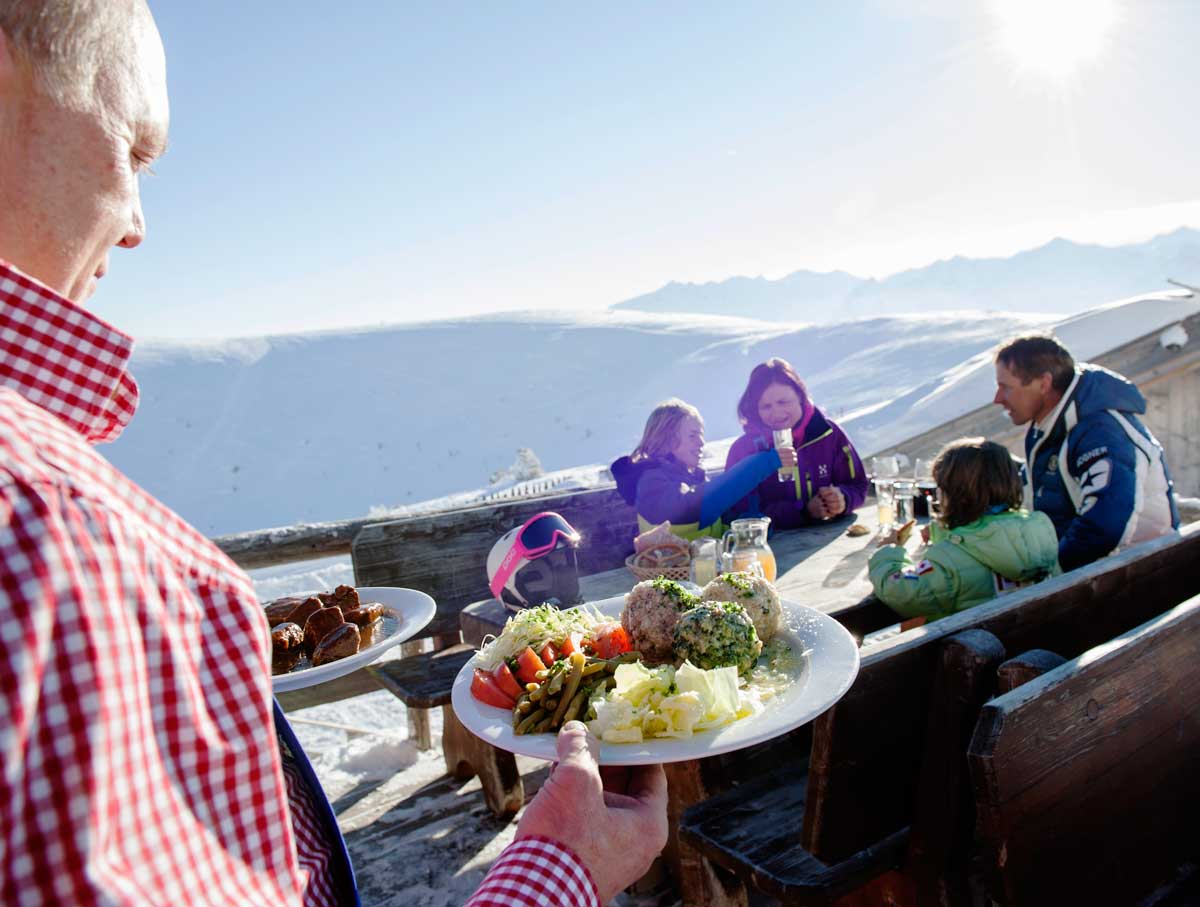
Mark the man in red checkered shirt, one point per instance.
(140, 758)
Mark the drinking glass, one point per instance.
(783, 438)
(703, 568)
(904, 489)
(923, 473)
(884, 471)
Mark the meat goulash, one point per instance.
(323, 627)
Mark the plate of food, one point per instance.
(661, 674)
(318, 636)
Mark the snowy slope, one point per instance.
(1060, 276)
(265, 432)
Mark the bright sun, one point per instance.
(1051, 39)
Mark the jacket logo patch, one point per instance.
(1052, 463)
(1084, 459)
(823, 471)
(1093, 481)
(919, 570)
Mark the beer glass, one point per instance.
(884, 471)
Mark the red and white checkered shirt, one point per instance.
(535, 871)
(138, 761)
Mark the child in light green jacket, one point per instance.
(983, 545)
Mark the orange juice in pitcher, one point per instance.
(745, 545)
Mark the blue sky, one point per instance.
(366, 162)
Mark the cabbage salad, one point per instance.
(668, 702)
(534, 627)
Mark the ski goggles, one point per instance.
(540, 535)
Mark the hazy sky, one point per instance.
(349, 163)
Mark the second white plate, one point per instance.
(407, 612)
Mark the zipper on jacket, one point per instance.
(827, 433)
(849, 459)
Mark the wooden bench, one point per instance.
(759, 824)
(1086, 779)
(868, 752)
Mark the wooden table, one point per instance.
(819, 566)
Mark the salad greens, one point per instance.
(534, 627)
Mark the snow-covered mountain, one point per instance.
(253, 433)
(250, 434)
(1061, 276)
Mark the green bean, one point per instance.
(543, 725)
(575, 705)
(549, 704)
(529, 721)
(572, 687)
(556, 681)
(537, 693)
(594, 668)
(524, 706)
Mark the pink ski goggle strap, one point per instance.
(538, 536)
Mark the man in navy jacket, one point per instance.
(1091, 465)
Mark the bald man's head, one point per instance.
(83, 112)
(64, 43)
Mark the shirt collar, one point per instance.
(63, 358)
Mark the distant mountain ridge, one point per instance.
(1061, 277)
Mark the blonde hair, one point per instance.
(66, 42)
(661, 433)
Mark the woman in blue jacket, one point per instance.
(663, 480)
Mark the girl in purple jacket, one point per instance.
(828, 479)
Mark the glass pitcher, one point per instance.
(746, 543)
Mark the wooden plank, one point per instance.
(467, 755)
(347, 686)
(423, 681)
(944, 817)
(861, 791)
(1086, 777)
(445, 554)
(752, 831)
(699, 883)
(1024, 668)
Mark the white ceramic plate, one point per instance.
(407, 612)
(821, 680)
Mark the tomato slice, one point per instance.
(506, 682)
(528, 664)
(548, 655)
(483, 688)
(570, 645)
(611, 640)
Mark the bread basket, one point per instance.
(670, 561)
